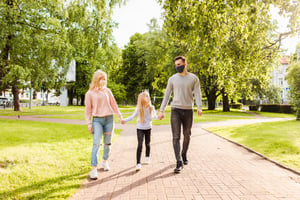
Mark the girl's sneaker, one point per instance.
(147, 160)
(105, 166)
(94, 174)
(138, 167)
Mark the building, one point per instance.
(278, 79)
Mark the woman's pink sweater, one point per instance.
(100, 103)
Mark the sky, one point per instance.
(136, 14)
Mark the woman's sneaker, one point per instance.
(147, 160)
(105, 166)
(138, 167)
(94, 174)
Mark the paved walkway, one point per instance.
(218, 170)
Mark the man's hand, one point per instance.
(161, 115)
(199, 112)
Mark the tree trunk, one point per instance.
(298, 115)
(211, 98)
(15, 91)
(71, 95)
(82, 100)
(226, 107)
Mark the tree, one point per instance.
(41, 38)
(145, 63)
(227, 42)
(293, 79)
(32, 35)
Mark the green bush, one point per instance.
(253, 107)
(276, 108)
(236, 105)
(157, 102)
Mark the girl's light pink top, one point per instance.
(100, 103)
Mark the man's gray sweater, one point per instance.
(183, 88)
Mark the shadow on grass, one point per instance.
(46, 189)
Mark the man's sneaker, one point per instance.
(179, 167)
(105, 166)
(138, 167)
(94, 174)
(147, 160)
(185, 160)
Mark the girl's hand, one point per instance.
(123, 121)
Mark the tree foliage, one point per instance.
(293, 79)
(41, 37)
(145, 63)
(228, 43)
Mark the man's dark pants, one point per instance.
(185, 118)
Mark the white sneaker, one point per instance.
(147, 160)
(138, 167)
(94, 174)
(105, 166)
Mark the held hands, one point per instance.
(199, 112)
(122, 121)
(161, 115)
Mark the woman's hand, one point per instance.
(91, 130)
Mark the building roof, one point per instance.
(284, 60)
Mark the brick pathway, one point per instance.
(218, 169)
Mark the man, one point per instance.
(183, 84)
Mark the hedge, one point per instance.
(276, 108)
(236, 105)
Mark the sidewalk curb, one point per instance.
(257, 153)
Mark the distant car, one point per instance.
(5, 101)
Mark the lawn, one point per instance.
(40, 160)
(77, 112)
(278, 141)
(55, 110)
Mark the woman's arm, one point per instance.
(88, 110)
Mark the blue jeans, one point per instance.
(185, 118)
(102, 126)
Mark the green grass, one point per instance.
(40, 160)
(44, 110)
(275, 115)
(278, 141)
(76, 112)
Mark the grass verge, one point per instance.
(40, 160)
(278, 141)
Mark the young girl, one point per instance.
(145, 112)
(101, 104)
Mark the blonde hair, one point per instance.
(144, 102)
(98, 80)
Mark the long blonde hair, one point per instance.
(98, 80)
(144, 101)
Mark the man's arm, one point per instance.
(198, 96)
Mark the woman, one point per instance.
(101, 104)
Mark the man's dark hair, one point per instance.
(180, 57)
